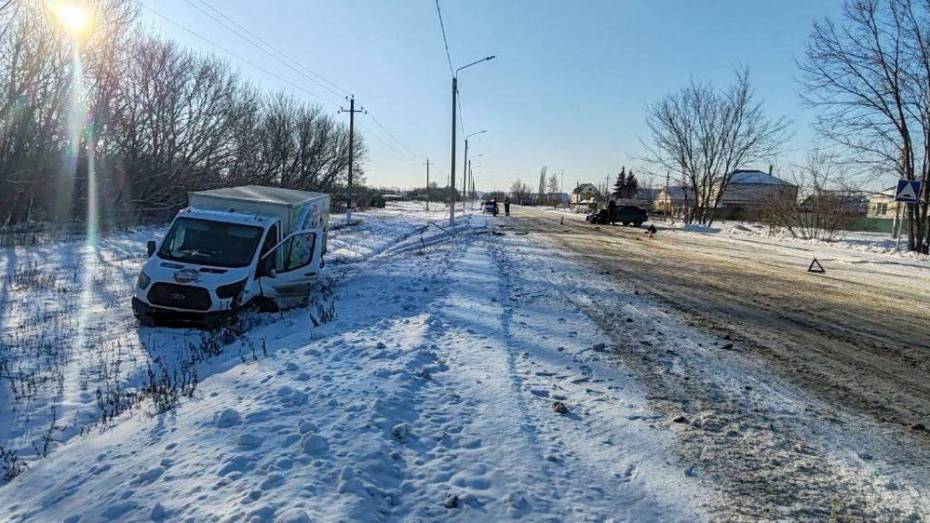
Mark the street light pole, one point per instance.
(455, 90)
(469, 188)
(465, 174)
(465, 163)
(427, 185)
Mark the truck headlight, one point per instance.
(231, 290)
(143, 281)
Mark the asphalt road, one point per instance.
(858, 335)
(833, 426)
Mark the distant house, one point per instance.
(748, 190)
(644, 198)
(585, 194)
(558, 197)
(852, 202)
(882, 204)
(648, 195)
(744, 197)
(672, 200)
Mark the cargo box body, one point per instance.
(297, 209)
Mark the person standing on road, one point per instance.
(494, 201)
(612, 211)
(507, 206)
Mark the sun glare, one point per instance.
(74, 17)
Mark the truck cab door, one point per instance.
(296, 261)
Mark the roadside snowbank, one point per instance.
(850, 241)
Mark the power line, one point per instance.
(252, 38)
(391, 135)
(445, 42)
(237, 57)
(278, 55)
(387, 144)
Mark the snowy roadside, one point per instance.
(436, 393)
(72, 355)
(871, 245)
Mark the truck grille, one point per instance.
(179, 296)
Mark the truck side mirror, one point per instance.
(150, 247)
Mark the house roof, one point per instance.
(584, 187)
(754, 177)
(676, 192)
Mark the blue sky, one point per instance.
(567, 89)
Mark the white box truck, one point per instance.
(232, 248)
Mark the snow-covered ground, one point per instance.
(853, 241)
(71, 353)
(477, 376)
(453, 383)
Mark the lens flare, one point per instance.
(74, 17)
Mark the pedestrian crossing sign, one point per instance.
(908, 191)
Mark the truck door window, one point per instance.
(299, 251)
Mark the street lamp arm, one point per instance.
(485, 59)
(473, 134)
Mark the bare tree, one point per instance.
(828, 205)
(541, 195)
(705, 134)
(520, 192)
(870, 76)
(552, 188)
(154, 120)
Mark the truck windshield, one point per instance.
(210, 243)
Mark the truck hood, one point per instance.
(171, 271)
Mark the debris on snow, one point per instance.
(313, 444)
(227, 418)
(400, 432)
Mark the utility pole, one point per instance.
(668, 197)
(471, 183)
(352, 110)
(455, 90)
(465, 164)
(427, 185)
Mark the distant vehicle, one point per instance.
(625, 214)
(489, 207)
(233, 248)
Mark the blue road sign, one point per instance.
(908, 192)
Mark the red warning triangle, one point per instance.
(815, 267)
